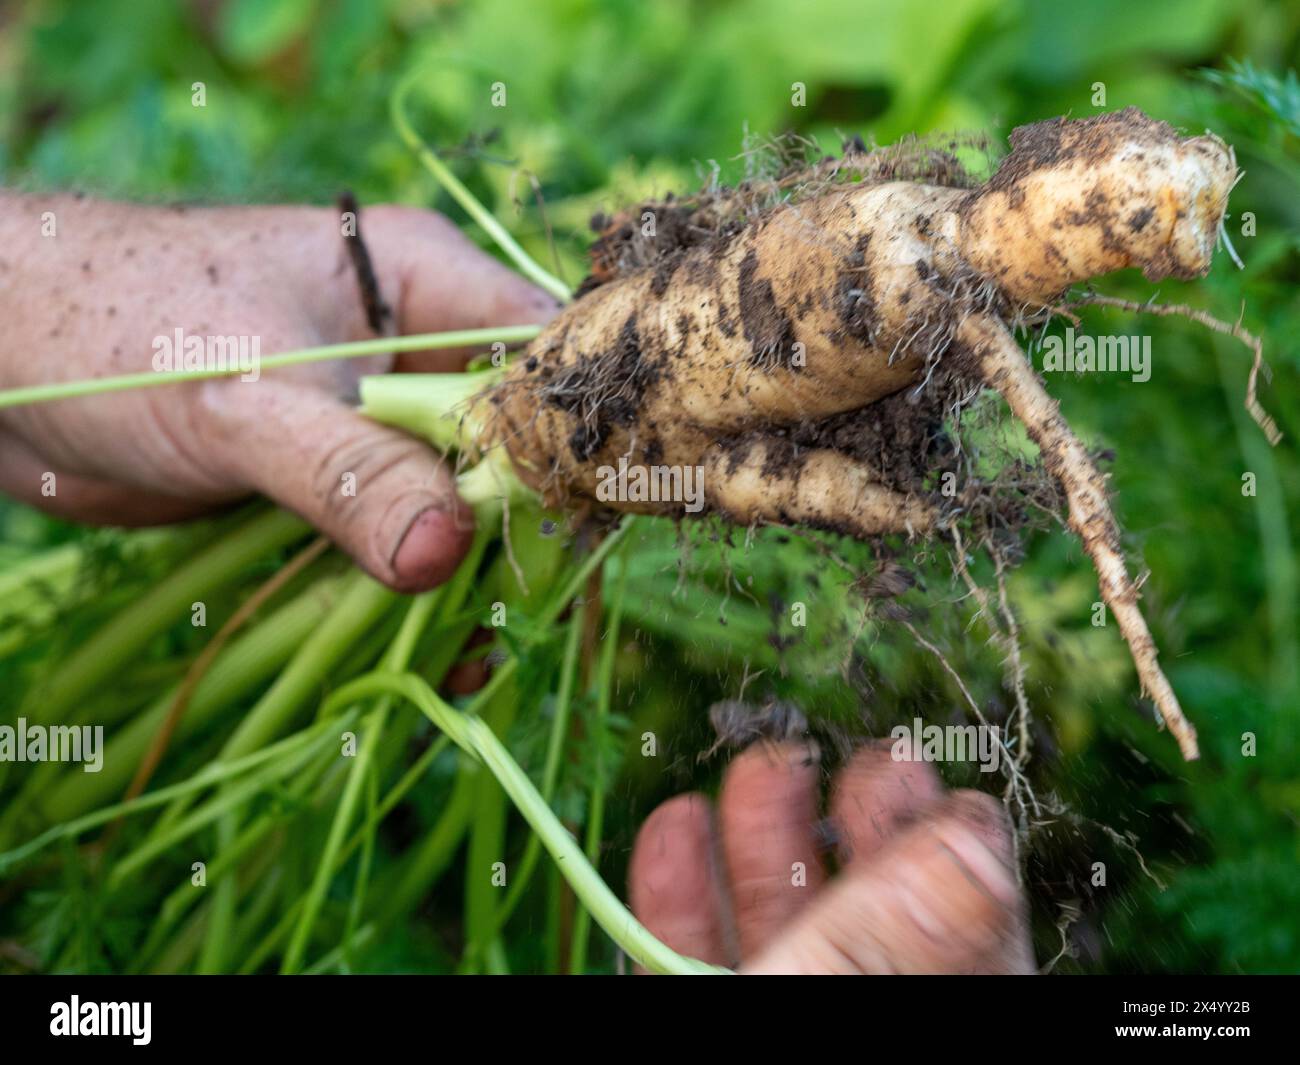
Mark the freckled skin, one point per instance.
(90, 300)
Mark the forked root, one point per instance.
(1005, 369)
(1253, 407)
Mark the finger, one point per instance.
(767, 815)
(442, 281)
(25, 476)
(986, 818)
(876, 797)
(936, 899)
(674, 883)
(379, 494)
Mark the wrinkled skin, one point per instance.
(88, 301)
(926, 883)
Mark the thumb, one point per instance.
(382, 496)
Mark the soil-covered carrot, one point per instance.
(776, 337)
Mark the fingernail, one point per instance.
(973, 855)
(431, 548)
(797, 754)
(987, 819)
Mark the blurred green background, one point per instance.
(610, 101)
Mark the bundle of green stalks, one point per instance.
(288, 750)
(287, 755)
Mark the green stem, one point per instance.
(120, 640)
(439, 407)
(423, 866)
(525, 263)
(177, 904)
(213, 773)
(364, 865)
(226, 801)
(248, 662)
(397, 658)
(187, 942)
(486, 843)
(474, 737)
(363, 602)
(453, 594)
(599, 739)
(361, 606)
(263, 894)
(371, 734)
(447, 598)
(550, 770)
(461, 338)
(546, 618)
(221, 909)
(262, 877)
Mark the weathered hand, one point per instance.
(926, 884)
(90, 299)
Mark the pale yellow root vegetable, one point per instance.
(771, 347)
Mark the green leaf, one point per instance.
(254, 30)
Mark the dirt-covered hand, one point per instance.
(90, 288)
(925, 883)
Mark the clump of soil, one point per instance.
(781, 171)
(602, 391)
(1042, 144)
